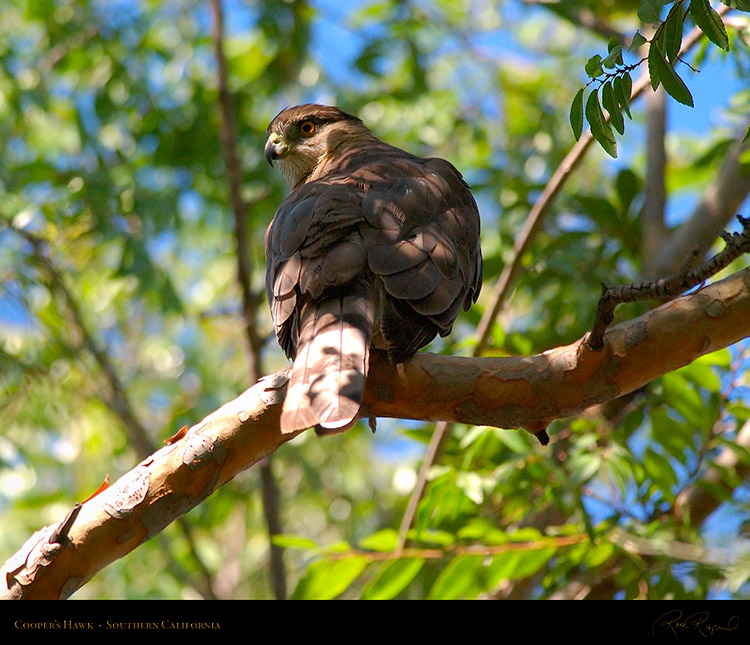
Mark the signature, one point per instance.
(699, 621)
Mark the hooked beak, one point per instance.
(274, 147)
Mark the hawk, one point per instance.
(373, 247)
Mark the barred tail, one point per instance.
(328, 375)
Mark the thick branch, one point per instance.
(507, 392)
(652, 217)
(250, 300)
(720, 201)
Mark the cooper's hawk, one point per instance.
(373, 247)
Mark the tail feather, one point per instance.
(327, 380)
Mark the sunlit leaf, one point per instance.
(705, 17)
(385, 541)
(576, 114)
(294, 542)
(392, 579)
(600, 129)
(672, 83)
(515, 565)
(456, 578)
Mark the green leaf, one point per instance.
(622, 94)
(673, 84)
(673, 33)
(684, 397)
(649, 11)
(584, 466)
(325, 580)
(671, 434)
(576, 114)
(637, 42)
(653, 69)
(613, 58)
(742, 5)
(594, 66)
(659, 469)
(710, 23)
(627, 186)
(472, 486)
(383, 541)
(293, 542)
(747, 134)
(600, 129)
(515, 565)
(456, 578)
(515, 441)
(611, 105)
(392, 579)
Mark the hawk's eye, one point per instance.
(307, 128)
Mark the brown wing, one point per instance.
(422, 232)
(312, 245)
(322, 304)
(386, 246)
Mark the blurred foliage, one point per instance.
(110, 159)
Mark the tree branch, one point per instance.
(250, 300)
(720, 201)
(652, 217)
(541, 207)
(736, 245)
(113, 391)
(507, 392)
(505, 281)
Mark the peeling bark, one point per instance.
(508, 392)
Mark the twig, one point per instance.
(462, 549)
(60, 534)
(736, 245)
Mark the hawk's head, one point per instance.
(301, 138)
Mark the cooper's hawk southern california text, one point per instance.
(372, 247)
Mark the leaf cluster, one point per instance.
(610, 81)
